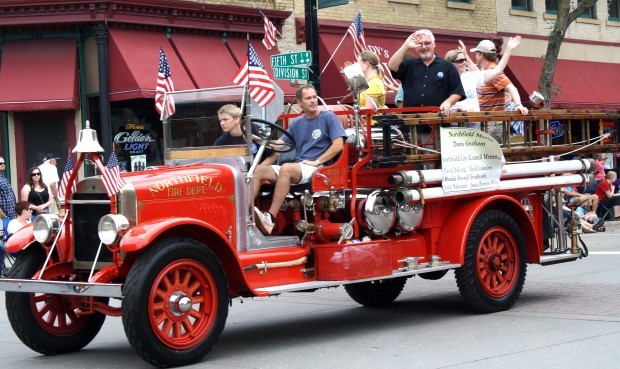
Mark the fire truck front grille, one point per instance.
(87, 209)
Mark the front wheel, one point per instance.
(49, 324)
(376, 293)
(176, 303)
(492, 276)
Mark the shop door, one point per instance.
(39, 133)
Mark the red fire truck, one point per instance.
(178, 242)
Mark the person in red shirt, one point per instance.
(605, 192)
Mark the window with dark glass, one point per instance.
(614, 9)
(525, 5)
(590, 13)
(460, 1)
(551, 6)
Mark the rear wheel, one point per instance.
(492, 276)
(376, 293)
(176, 303)
(49, 324)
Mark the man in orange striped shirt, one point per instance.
(494, 95)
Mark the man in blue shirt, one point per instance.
(319, 137)
(7, 207)
(7, 196)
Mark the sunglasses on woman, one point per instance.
(35, 174)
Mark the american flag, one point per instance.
(111, 177)
(164, 84)
(356, 31)
(253, 73)
(65, 179)
(270, 31)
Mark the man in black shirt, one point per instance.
(427, 80)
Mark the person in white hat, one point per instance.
(494, 95)
(50, 178)
(474, 78)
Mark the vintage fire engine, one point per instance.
(177, 243)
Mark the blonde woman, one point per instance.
(374, 96)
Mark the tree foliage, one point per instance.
(565, 17)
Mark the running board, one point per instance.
(325, 284)
(61, 288)
(558, 258)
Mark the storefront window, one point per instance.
(136, 132)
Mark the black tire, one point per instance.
(157, 328)
(34, 325)
(493, 274)
(433, 276)
(376, 293)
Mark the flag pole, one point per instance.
(332, 56)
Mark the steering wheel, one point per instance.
(270, 138)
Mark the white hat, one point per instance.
(485, 46)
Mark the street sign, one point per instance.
(290, 73)
(291, 59)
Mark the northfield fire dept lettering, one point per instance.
(203, 184)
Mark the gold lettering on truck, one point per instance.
(202, 184)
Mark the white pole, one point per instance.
(412, 177)
(406, 196)
(332, 56)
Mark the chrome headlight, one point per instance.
(46, 227)
(110, 227)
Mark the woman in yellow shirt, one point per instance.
(374, 96)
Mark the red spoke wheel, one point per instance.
(496, 262)
(182, 301)
(176, 302)
(48, 323)
(493, 273)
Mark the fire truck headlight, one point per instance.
(110, 227)
(46, 227)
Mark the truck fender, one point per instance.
(453, 237)
(144, 234)
(20, 239)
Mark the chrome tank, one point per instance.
(409, 217)
(380, 213)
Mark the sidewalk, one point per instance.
(612, 226)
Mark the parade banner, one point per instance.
(470, 160)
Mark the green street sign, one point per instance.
(291, 59)
(290, 73)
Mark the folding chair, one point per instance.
(604, 212)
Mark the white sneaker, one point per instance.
(264, 221)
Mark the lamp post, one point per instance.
(312, 35)
(312, 42)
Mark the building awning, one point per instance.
(207, 59)
(39, 74)
(578, 84)
(134, 61)
(239, 47)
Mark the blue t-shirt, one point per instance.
(314, 136)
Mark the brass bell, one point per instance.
(87, 141)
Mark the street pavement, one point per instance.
(568, 316)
